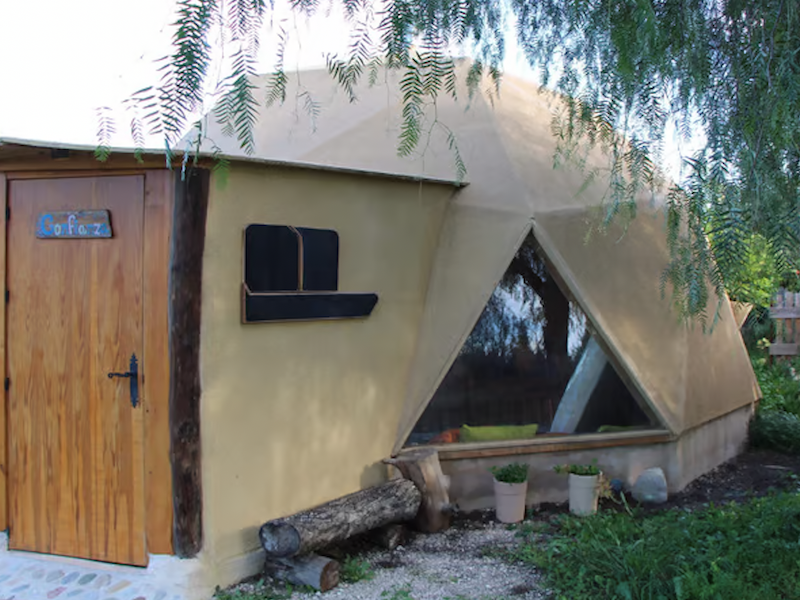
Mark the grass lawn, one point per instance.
(747, 551)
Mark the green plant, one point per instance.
(779, 383)
(259, 592)
(511, 473)
(586, 470)
(355, 569)
(776, 430)
(745, 551)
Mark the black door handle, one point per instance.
(133, 375)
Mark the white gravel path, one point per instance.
(459, 564)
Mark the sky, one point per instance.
(60, 60)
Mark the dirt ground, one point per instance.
(752, 474)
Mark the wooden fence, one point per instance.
(785, 311)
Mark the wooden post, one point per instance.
(185, 291)
(423, 468)
(786, 312)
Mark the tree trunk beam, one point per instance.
(392, 502)
(320, 572)
(423, 468)
(579, 389)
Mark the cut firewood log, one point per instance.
(393, 502)
(320, 572)
(388, 537)
(423, 468)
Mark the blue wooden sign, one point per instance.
(74, 224)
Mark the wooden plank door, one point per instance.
(76, 477)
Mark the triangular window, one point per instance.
(518, 375)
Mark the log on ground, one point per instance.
(319, 572)
(394, 502)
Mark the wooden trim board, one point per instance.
(158, 207)
(783, 349)
(567, 443)
(186, 273)
(4, 395)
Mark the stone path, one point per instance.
(26, 576)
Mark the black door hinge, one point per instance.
(8, 296)
(8, 383)
(8, 212)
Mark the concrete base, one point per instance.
(32, 576)
(684, 459)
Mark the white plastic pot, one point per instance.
(584, 491)
(509, 501)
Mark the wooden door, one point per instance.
(76, 477)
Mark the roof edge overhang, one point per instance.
(155, 152)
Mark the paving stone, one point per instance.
(24, 577)
(118, 586)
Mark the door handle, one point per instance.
(133, 375)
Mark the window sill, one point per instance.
(542, 445)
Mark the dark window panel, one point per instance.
(320, 259)
(271, 258)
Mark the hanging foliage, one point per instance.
(725, 71)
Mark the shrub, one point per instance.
(776, 430)
(780, 386)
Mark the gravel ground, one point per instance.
(459, 564)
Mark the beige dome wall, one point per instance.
(508, 148)
(455, 243)
(295, 414)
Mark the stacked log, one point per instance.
(290, 542)
(421, 497)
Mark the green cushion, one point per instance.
(497, 432)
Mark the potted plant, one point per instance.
(510, 490)
(585, 483)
